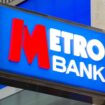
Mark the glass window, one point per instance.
(35, 98)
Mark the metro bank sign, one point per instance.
(38, 46)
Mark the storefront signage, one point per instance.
(38, 46)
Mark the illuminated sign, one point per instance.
(80, 14)
(37, 46)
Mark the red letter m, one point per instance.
(35, 44)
